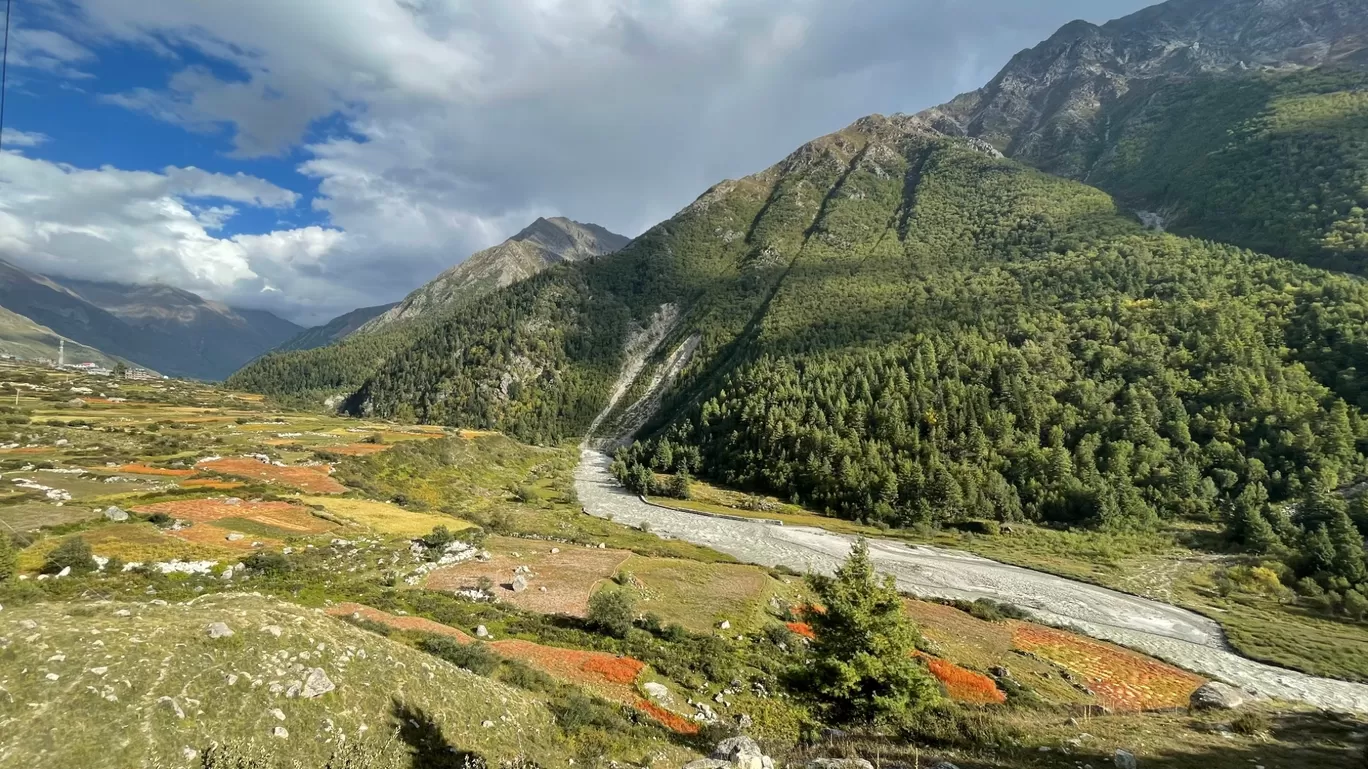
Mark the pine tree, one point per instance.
(864, 671)
(1248, 524)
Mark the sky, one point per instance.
(309, 157)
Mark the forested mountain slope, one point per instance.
(312, 374)
(1239, 120)
(898, 326)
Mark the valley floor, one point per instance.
(1177, 635)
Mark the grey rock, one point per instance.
(116, 514)
(708, 763)
(944, 765)
(657, 691)
(519, 583)
(317, 684)
(272, 629)
(481, 631)
(1214, 695)
(219, 630)
(234, 536)
(172, 705)
(280, 732)
(1124, 759)
(838, 763)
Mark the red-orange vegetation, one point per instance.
(1121, 679)
(667, 718)
(803, 629)
(964, 685)
(209, 483)
(315, 480)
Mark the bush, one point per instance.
(474, 657)
(526, 677)
(526, 494)
(268, 562)
(1250, 723)
(9, 557)
(74, 552)
(161, 520)
(438, 539)
(577, 711)
(611, 612)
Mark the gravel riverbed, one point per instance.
(1179, 636)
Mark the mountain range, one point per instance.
(310, 369)
(977, 311)
(162, 328)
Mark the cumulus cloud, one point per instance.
(459, 122)
(144, 227)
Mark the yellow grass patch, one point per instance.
(386, 518)
(129, 541)
(700, 595)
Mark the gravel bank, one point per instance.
(1170, 633)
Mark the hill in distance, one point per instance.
(1239, 120)
(543, 243)
(335, 370)
(27, 340)
(163, 328)
(334, 330)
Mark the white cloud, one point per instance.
(142, 227)
(465, 120)
(13, 137)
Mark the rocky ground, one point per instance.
(1170, 633)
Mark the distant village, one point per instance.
(121, 370)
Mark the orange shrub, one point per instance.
(801, 628)
(314, 480)
(965, 685)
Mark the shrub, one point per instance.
(527, 677)
(474, 657)
(525, 494)
(74, 552)
(115, 565)
(611, 612)
(9, 557)
(160, 520)
(1249, 723)
(577, 711)
(438, 539)
(1355, 605)
(268, 562)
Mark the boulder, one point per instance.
(317, 684)
(234, 536)
(519, 583)
(708, 763)
(118, 515)
(281, 733)
(838, 763)
(943, 765)
(657, 691)
(219, 630)
(741, 753)
(1214, 695)
(1124, 759)
(481, 631)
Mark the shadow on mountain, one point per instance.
(429, 748)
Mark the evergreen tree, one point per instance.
(864, 671)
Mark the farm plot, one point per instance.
(28, 516)
(141, 542)
(137, 468)
(215, 519)
(700, 595)
(384, 517)
(1121, 679)
(560, 583)
(313, 480)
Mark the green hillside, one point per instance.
(1276, 163)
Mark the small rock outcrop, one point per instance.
(116, 514)
(219, 630)
(1124, 759)
(1214, 695)
(741, 753)
(317, 684)
(838, 763)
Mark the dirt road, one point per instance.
(1168, 632)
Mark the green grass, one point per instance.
(165, 652)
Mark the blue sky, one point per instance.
(312, 156)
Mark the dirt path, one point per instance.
(1179, 636)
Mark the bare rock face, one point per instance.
(1043, 106)
(741, 753)
(1215, 695)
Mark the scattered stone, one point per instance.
(272, 629)
(99, 671)
(66, 570)
(1214, 695)
(278, 714)
(838, 763)
(172, 705)
(53, 677)
(123, 613)
(743, 753)
(116, 514)
(481, 631)
(234, 536)
(281, 732)
(28, 624)
(657, 691)
(219, 630)
(724, 625)
(708, 763)
(555, 550)
(487, 724)
(317, 684)
(519, 583)
(1124, 759)
(944, 765)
